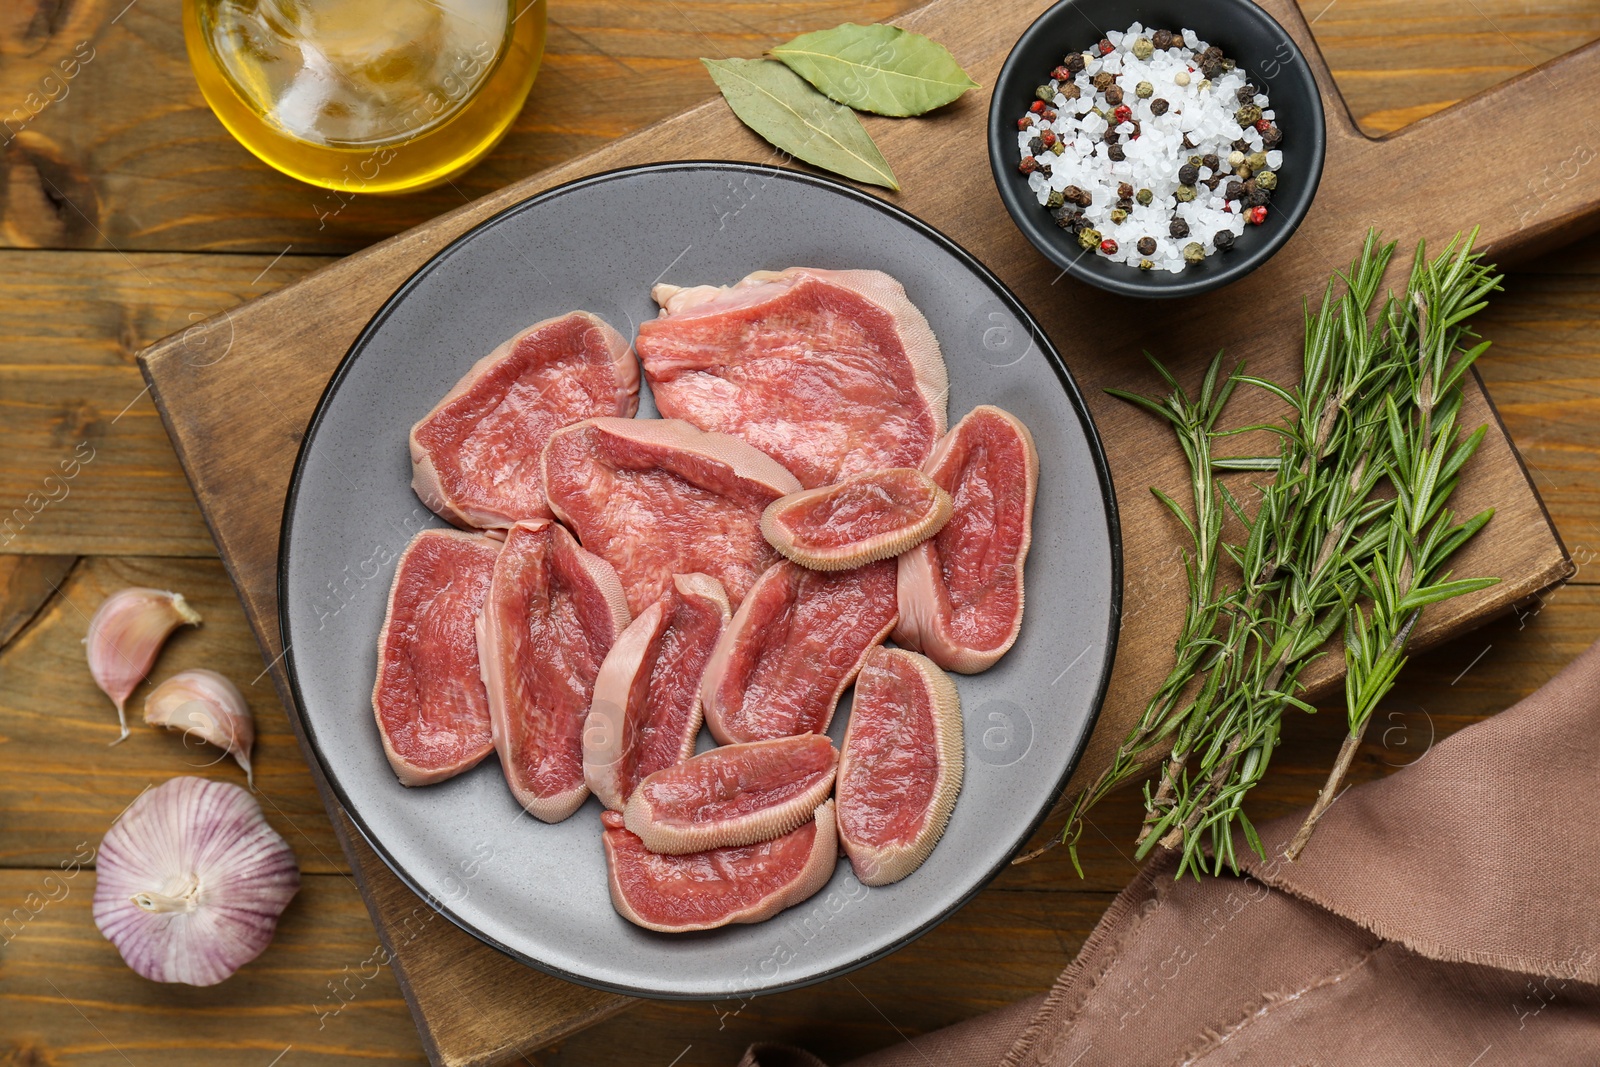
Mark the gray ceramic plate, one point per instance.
(539, 892)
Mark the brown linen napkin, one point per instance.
(1448, 914)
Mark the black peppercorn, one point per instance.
(1188, 174)
(1077, 196)
(1113, 95)
(1235, 190)
(1210, 161)
(1257, 197)
(1271, 136)
(1223, 241)
(1162, 39)
(1104, 80)
(1124, 190)
(1111, 136)
(1159, 106)
(1074, 63)
(1116, 154)
(1188, 145)
(1179, 228)
(1035, 146)
(1147, 246)
(1247, 94)
(1070, 91)
(1064, 216)
(1125, 204)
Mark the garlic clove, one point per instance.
(206, 705)
(125, 636)
(190, 881)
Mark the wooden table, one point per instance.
(126, 213)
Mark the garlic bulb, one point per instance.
(190, 881)
(206, 705)
(125, 636)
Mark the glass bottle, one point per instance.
(366, 96)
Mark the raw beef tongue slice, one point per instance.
(793, 647)
(961, 590)
(900, 772)
(553, 612)
(733, 795)
(657, 497)
(704, 890)
(830, 372)
(429, 700)
(645, 713)
(868, 516)
(475, 456)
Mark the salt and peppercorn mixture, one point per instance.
(1152, 147)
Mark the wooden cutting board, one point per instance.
(237, 391)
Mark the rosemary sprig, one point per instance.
(1407, 572)
(1193, 421)
(1367, 457)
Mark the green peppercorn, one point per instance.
(1267, 180)
(1045, 93)
(1229, 64)
(1243, 172)
(1056, 199)
(1145, 197)
(1193, 253)
(1197, 161)
(1248, 115)
(1104, 80)
(1257, 161)
(1118, 215)
(1144, 90)
(1089, 239)
(1059, 147)
(1145, 264)
(1205, 83)
(1185, 193)
(1142, 48)
(1070, 90)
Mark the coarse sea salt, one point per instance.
(1153, 150)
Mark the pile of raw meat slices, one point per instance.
(740, 560)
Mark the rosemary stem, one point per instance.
(1330, 790)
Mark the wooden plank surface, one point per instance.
(1394, 61)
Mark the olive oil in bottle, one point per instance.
(366, 96)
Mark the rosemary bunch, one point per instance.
(1366, 459)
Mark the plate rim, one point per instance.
(1052, 358)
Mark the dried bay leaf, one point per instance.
(882, 69)
(782, 107)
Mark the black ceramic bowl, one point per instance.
(1247, 35)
